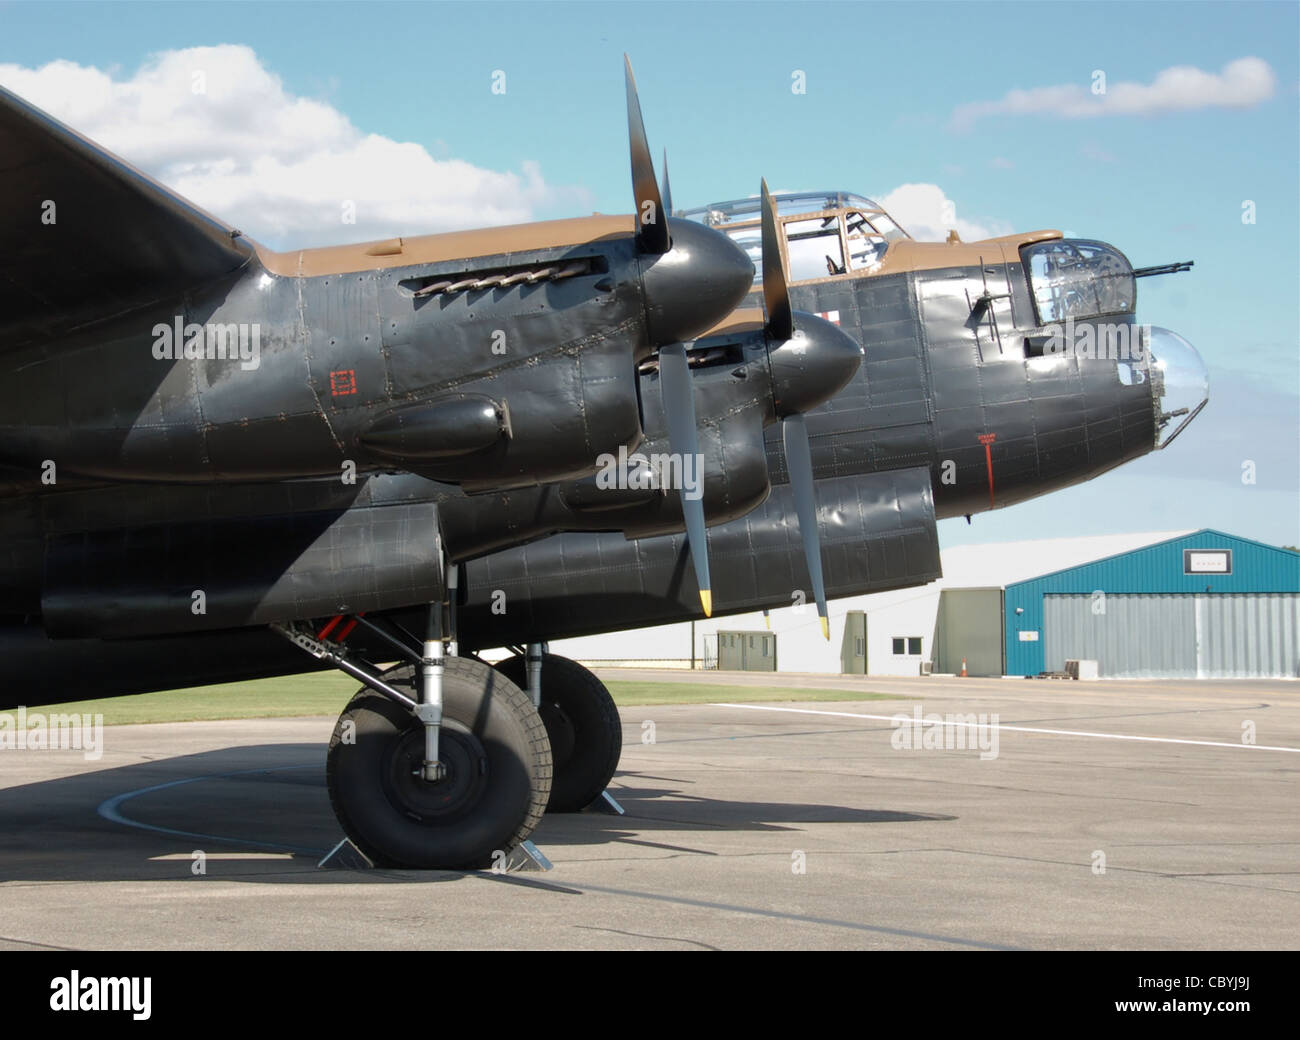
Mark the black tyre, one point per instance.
(582, 723)
(498, 761)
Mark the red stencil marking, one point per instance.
(343, 382)
(987, 440)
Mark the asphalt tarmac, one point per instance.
(1095, 815)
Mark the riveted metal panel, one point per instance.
(877, 533)
(879, 314)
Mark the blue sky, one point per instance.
(883, 82)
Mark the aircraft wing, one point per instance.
(87, 235)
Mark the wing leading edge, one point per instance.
(88, 235)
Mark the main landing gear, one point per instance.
(443, 762)
(581, 721)
(492, 784)
(436, 763)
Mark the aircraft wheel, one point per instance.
(582, 723)
(498, 760)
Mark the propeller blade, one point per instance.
(798, 460)
(668, 191)
(679, 411)
(776, 294)
(652, 221)
(794, 432)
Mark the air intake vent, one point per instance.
(708, 357)
(503, 277)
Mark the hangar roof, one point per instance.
(1003, 563)
(1165, 567)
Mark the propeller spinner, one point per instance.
(693, 276)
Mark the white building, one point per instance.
(906, 614)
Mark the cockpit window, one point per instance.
(867, 245)
(1075, 279)
(814, 247)
(827, 233)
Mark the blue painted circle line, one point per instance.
(110, 810)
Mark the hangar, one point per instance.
(1204, 606)
(1170, 604)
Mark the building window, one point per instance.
(914, 646)
(898, 646)
(1207, 561)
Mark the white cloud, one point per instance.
(928, 214)
(275, 165)
(1241, 84)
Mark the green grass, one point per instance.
(326, 693)
(321, 693)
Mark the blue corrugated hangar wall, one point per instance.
(1206, 606)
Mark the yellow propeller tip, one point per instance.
(706, 601)
(826, 628)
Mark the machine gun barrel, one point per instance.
(1146, 272)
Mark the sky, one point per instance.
(284, 118)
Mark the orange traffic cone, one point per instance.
(963, 668)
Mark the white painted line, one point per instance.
(110, 809)
(1016, 729)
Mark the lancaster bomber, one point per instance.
(222, 462)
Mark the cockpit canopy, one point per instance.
(826, 232)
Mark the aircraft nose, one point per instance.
(1180, 384)
(694, 285)
(813, 366)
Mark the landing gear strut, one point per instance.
(439, 763)
(494, 764)
(581, 720)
